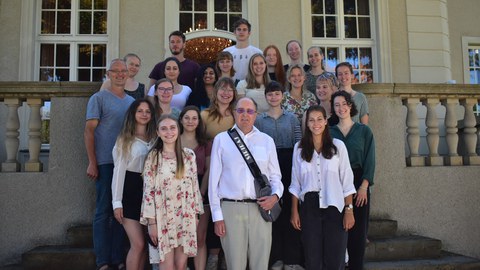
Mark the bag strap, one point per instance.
(245, 152)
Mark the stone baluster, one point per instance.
(11, 140)
(34, 140)
(470, 136)
(433, 138)
(413, 133)
(453, 159)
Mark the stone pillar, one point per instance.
(470, 132)
(11, 140)
(453, 159)
(413, 134)
(34, 136)
(433, 137)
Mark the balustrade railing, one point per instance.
(426, 126)
(14, 95)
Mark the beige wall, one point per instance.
(10, 18)
(399, 41)
(469, 10)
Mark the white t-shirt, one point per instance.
(241, 58)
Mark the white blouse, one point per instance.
(332, 178)
(132, 161)
(257, 94)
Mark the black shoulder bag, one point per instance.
(262, 185)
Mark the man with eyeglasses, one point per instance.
(233, 201)
(105, 114)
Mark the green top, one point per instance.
(361, 148)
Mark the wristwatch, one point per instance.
(349, 207)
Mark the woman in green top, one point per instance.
(358, 139)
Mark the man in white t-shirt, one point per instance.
(242, 51)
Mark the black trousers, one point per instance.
(357, 236)
(323, 236)
(286, 242)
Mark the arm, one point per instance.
(295, 217)
(214, 179)
(89, 138)
(150, 83)
(368, 167)
(348, 218)
(148, 200)
(364, 119)
(295, 188)
(193, 174)
(204, 187)
(118, 181)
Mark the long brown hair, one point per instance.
(214, 109)
(179, 153)
(279, 69)
(200, 130)
(306, 143)
(251, 82)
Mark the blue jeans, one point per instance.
(108, 234)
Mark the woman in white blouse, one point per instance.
(322, 181)
(131, 148)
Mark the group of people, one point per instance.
(169, 173)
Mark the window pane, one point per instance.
(64, 4)
(84, 53)
(350, 27)
(349, 7)
(101, 4)
(100, 22)
(46, 74)
(63, 22)
(48, 22)
(330, 7)
(355, 79)
(331, 59)
(476, 58)
(185, 22)
(85, 4)
(235, 5)
(48, 4)
(83, 75)
(200, 21)
(317, 26)
(186, 5)
(351, 56)
(232, 18)
(99, 55)
(331, 26)
(85, 23)
(63, 74)
(221, 22)
(63, 55)
(363, 8)
(220, 5)
(200, 5)
(471, 55)
(366, 77)
(366, 58)
(98, 75)
(364, 27)
(46, 55)
(317, 6)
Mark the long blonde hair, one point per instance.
(179, 153)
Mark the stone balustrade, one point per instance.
(458, 123)
(424, 105)
(32, 94)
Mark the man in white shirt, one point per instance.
(242, 51)
(231, 191)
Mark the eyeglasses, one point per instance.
(165, 89)
(248, 111)
(227, 90)
(123, 71)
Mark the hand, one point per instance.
(267, 202)
(153, 233)
(348, 220)
(92, 171)
(361, 198)
(220, 228)
(118, 213)
(295, 220)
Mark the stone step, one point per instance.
(382, 228)
(80, 236)
(446, 262)
(403, 248)
(58, 258)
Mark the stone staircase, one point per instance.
(387, 250)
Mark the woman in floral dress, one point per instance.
(171, 199)
(297, 100)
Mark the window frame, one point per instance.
(467, 43)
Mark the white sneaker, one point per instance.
(278, 265)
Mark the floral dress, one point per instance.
(290, 104)
(174, 203)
